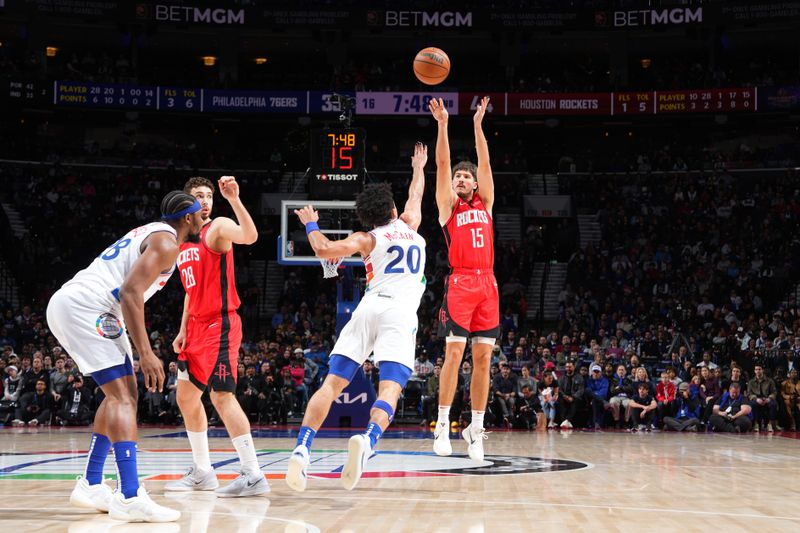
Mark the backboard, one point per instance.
(337, 220)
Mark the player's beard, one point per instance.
(465, 195)
(193, 238)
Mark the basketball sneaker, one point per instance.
(474, 438)
(194, 479)
(140, 508)
(247, 484)
(297, 472)
(358, 452)
(87, 496)
(441, 443)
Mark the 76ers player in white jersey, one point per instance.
(385, 320)
(91, 316)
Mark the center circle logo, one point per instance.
(167, 464)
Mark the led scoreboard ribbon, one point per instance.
(75, 94)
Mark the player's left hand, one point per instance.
(307, 214)
(420, 156)
(228, 187)
(481, 111)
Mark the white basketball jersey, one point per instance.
(108, 271)
(396, 266)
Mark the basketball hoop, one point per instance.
(330, 266)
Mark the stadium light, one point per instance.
(261, 60)
(51, 51)
(209, 61)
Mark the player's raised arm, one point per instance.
(485, 180)
(224, 230)
(159, 256)
(445, 196)
(358, 242)
(412, 213)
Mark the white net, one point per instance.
(330, 266)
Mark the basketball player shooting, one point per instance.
(385, 320)
(84, 315)
(471, 305)
(209, 339)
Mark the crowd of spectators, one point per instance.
(690, 284)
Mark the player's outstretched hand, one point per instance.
(481, 111)
(307, 214)
(438, 110)
(420, 156)
(228, 187)
(179, 342)
(153, 371)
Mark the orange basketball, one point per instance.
(431, 66)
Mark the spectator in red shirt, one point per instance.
(665, 396)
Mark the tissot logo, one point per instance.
(197, 15)
(337, 177)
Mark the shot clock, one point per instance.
(337, 163)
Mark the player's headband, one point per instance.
(194, 208)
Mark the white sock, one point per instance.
(247, 452)
(477, 419)
(444, 415)
(198, 440)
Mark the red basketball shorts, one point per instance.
(211, 354)
(471, 305)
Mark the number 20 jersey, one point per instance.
(470, 236)
(396, 266)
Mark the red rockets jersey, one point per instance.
(208, 278)
(470, 236)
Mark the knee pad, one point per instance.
(392, 371)
(380, 404)
(342, 366)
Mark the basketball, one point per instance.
(431, 66)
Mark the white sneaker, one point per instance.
(474, 438)
(297, 471)
(566, 424)
(17, 422)
(358, 452)
(441, 442)
(551, 425)
(140, 508)
(85, 496)
(247, 484)
(194, 479)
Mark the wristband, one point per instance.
(311, 226)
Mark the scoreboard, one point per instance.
(692, 101)
(88, 95)
(337, 169)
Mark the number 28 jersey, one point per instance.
(208, 278)
(396, 265)
(470, 236)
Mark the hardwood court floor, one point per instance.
(576, 481)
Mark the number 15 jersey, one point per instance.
(470, 236)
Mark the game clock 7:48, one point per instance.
(337, 163)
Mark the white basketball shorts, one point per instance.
(383, 325)
(91, 331)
